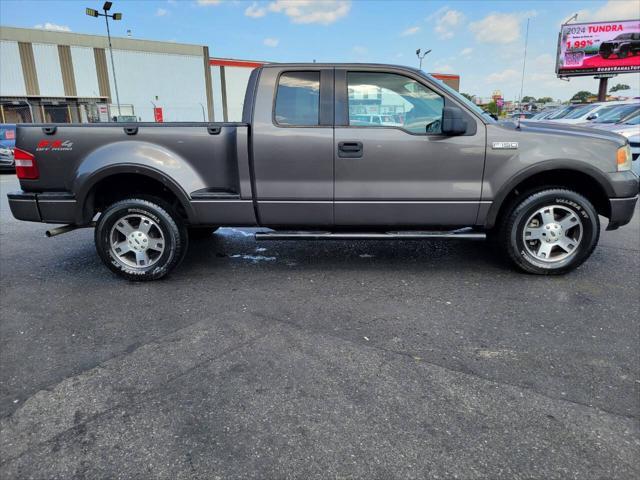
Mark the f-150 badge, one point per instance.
(505, 145)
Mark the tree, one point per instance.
(527, 99)
(619, 86)
(492, 107)
(545, 100)
(467, 96)
(582, 96)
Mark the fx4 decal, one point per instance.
(54, 146)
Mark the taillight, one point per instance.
(26, 167)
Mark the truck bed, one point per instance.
(201, 162)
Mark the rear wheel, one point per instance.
(140, 239)
(550, 232)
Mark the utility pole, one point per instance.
(116, 16)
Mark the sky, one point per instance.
(482, 41)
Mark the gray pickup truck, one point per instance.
(327, 151)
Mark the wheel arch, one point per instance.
(124, 180)
(587, 181)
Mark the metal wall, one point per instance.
(11, 77)
(176, 83)
(84, 70)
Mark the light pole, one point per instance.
(116, 16)
(422, 56)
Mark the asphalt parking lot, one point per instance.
(316, 360)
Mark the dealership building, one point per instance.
(61, 77)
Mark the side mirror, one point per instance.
(593, 116)
(453, 122)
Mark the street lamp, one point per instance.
(116, 16)
(421, 56)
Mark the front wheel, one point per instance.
(550, 232)
(140, 239)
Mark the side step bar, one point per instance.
(466, 234)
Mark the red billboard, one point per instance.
(599, 47)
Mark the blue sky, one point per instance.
(482, 41)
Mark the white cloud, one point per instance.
(209, 2)
(271, 42)
(410, 31)
(612, 10)
(323, 12)
(255, 11)
(161, 12)
(53, 26)
(505, 76)
(465, 52)
(499, 27)
(446, 21)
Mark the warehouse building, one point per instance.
(50, 76)
(62, 77)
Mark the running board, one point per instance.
(465, 234)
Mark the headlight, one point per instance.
(623, 158)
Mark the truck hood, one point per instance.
(567, 130)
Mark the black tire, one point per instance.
(623, 53)
(200, 233)
(167, 226)
(513, 224)
(605, 54)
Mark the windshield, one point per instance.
(561, 113)
(616, 113)
(580, 111)
(464, 100)
(635, 120)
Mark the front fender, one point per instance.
(546, 166)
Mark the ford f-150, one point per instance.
(305, 164)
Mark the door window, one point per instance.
(298, 99)
(392, 100)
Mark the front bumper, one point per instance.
(49, 207)
(621, 211)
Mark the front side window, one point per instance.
(298, 99)
(391, 100)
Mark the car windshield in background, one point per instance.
(580, 111)
(635, 120)
(464, 100)
(562, 112)
(614, 114)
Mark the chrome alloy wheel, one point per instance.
(552, 233)
(136, 241)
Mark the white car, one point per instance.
(629, 128)
(589, 112)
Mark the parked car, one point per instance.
(622, 46)
(589, 112)
(564, 111)
(613, 114)
(298, 166)
(630, 128)
(371, 120)
(522, 115)
(7, 144)
(544, 114)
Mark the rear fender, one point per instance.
(140, 158)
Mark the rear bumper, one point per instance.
(50, 207)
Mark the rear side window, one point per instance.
(298, 99)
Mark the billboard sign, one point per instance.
(599, 47)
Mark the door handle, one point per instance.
(350, 149)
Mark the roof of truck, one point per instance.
(345, 65)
